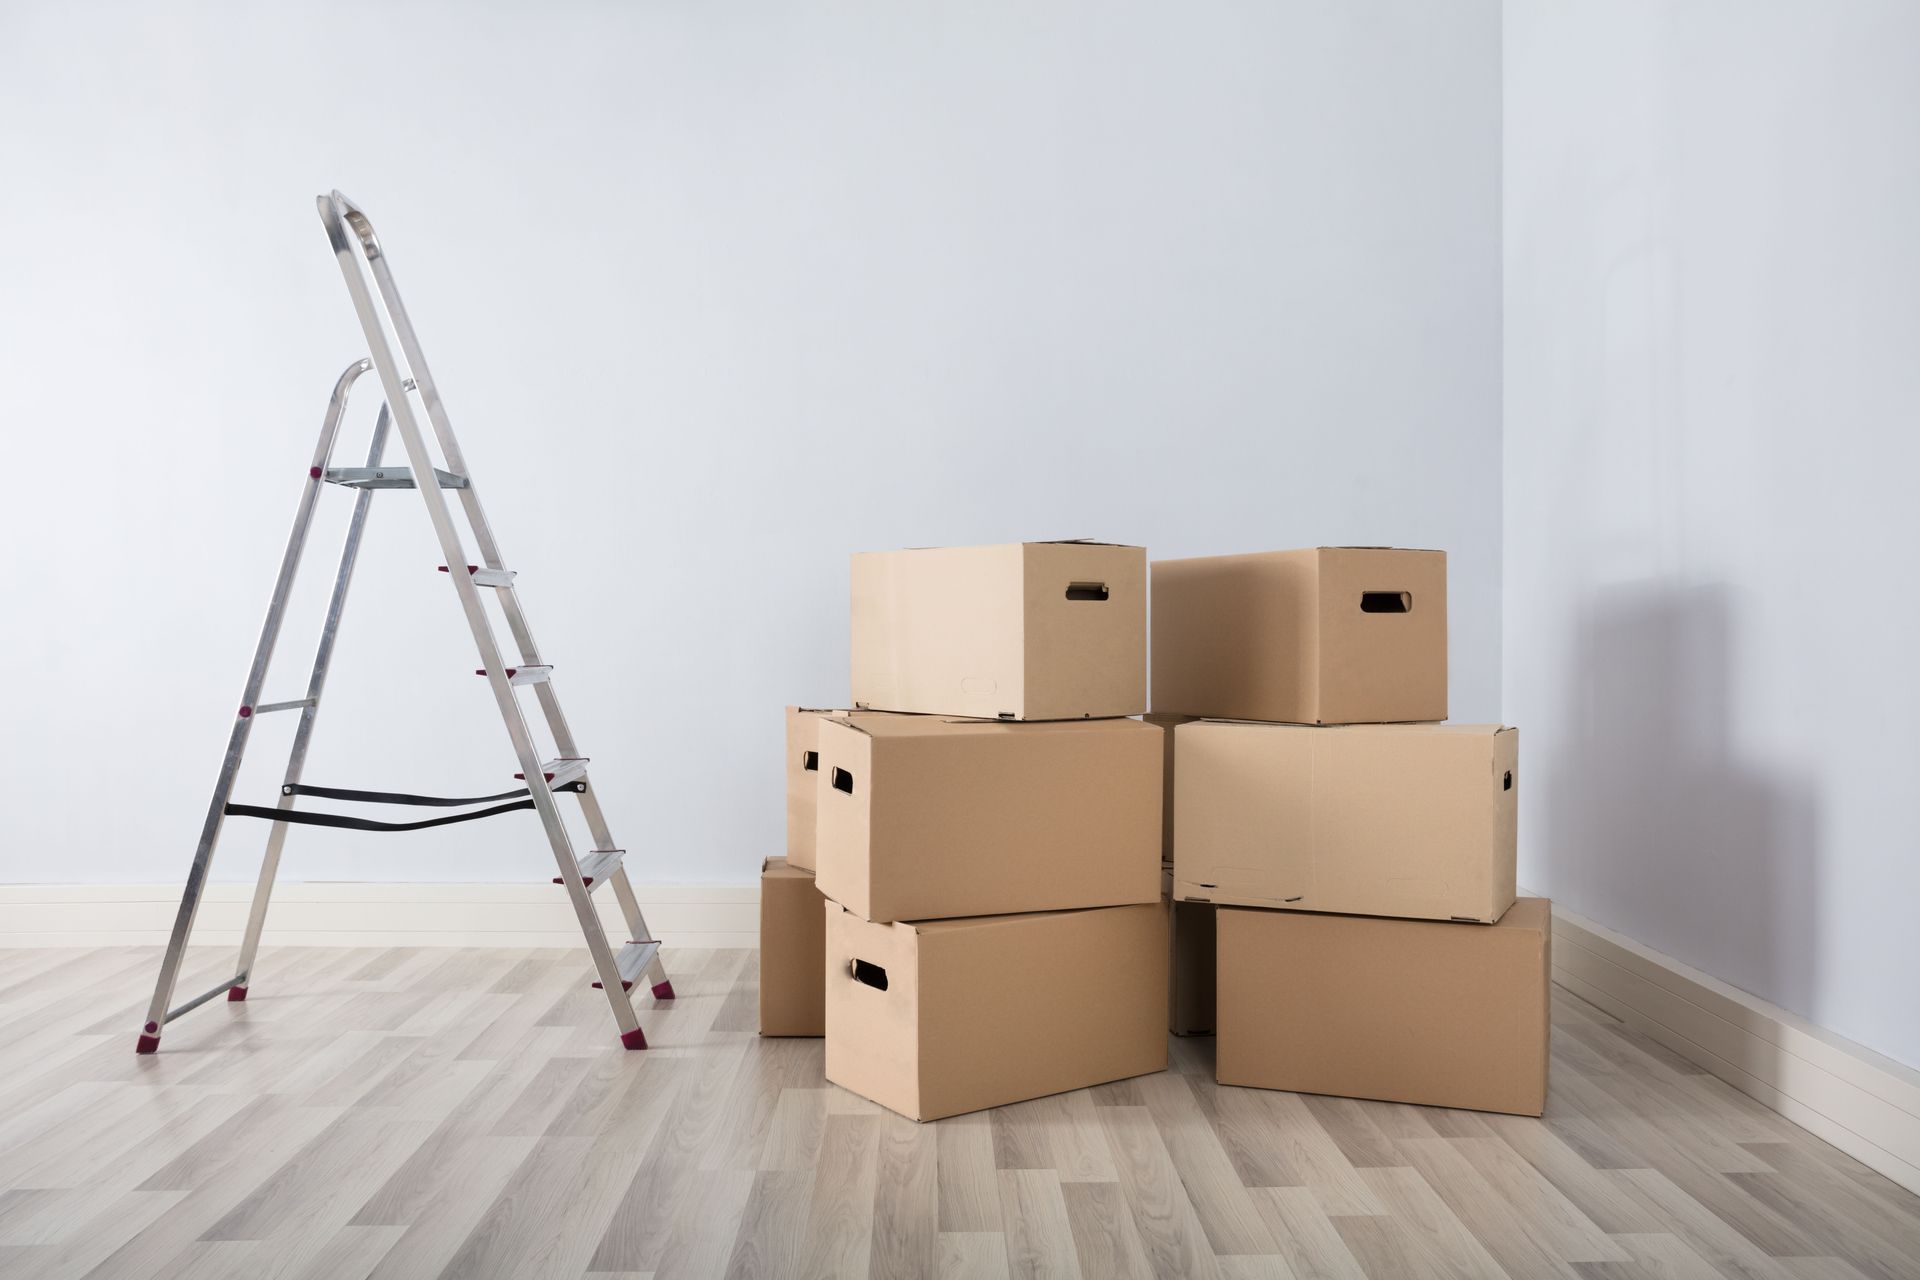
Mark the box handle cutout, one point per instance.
(842, 780)
(810, 761)
(1086, 591)
(869, 973)
(1386, 602)
(1508, 784)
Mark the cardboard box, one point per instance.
(803, 768)
(940, 1017)
(1166, 724)
(1328, 635)
(1028, 631)
(1413, 820)
(803, 763)
(793, 952)
(1445, 1015)
(922, 817)
(1190, 962)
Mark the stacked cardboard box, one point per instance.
(984, 831)
(1359, 854)
(793, 939)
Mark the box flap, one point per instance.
(1030, 542)
(1427, 727)
(781, 869)
(1370, 546)
(899, 727)
(846, 722)
(985, 922)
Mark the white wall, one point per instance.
(1712, 434)
(716, 294)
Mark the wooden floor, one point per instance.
(461, 1113)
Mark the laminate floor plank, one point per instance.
(390, 1113)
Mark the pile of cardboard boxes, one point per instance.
(1359, 852)
(999, 886)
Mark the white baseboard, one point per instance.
(1862, 1102)
(343, 914)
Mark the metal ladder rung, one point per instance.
(560, 772)
(596, 867)
(388, 478)
(633, 959)
(483, 577)
(289, 705)
(524, 675)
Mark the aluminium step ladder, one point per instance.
(359, 253)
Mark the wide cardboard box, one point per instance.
(1166, 724)
(1027, 631)
(1327, 635)
(1445, 1015)
(922, 817)
(939, 1017)
(1190, 965)
(1413, 820)
(793, 952)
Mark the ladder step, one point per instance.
(559, 772)
(597, 866)
(524, 675)
(487, 577)
(265, 707)
(388, 478)
(633, 959)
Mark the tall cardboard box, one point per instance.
(936, 1018)
(1166, 724)
(1413, 820)
(793, 952)
(1445, 1015)
(1190, 964)
(1327, 635)
(1028, 631)
(803, 763)
(923, 818)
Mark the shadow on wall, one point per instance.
(1656, 821)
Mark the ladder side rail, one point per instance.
(332, 213)
(488, 550)
(485, 545)
(303, 732)
(348, 216)
(157, 1013)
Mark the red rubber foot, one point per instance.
(236, 994)
(147, 1044)
(663, 990)
(634, 1039)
